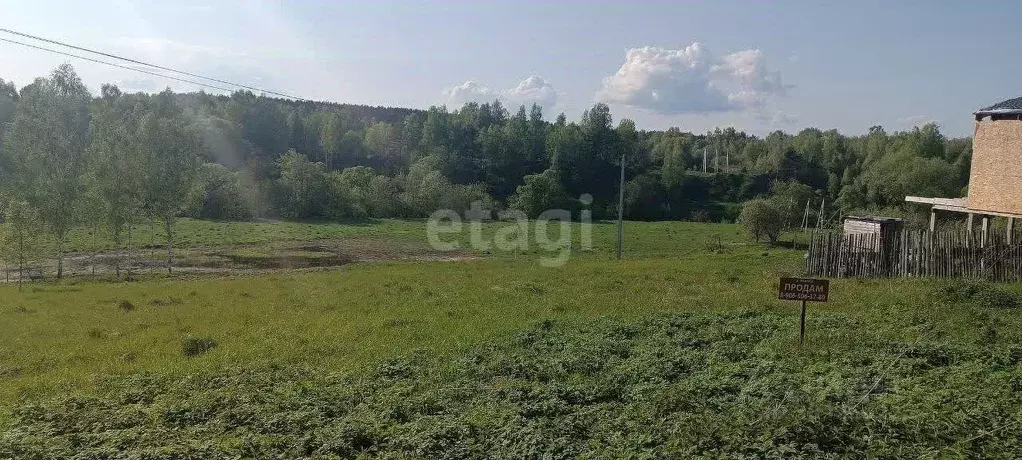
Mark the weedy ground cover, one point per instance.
(678, 385)
(681, 349)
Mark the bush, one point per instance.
(958, 291)
(978, 294)
(195, 346)
(539, 193)
(732, 212)
(218, 195)
(996, 298)
(761, 218)
(700, 215)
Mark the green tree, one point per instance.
(790, 198)
(170, 149)
(115, 170)
(302, 187)
(539, 193)
(19, 235)
(331, 138)
(8, 104)
(355, 183)
(46, 149)
(377, 140)
(761, 219)
(219, 194)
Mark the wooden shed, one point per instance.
(886, 229)
(858, 225)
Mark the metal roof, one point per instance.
(882, 220)
(1008, 107)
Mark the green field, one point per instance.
(680, 350)
(643, 239)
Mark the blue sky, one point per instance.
(758, 66)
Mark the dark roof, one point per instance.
(877, 219)
(1010, 106)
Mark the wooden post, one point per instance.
(621, 210)
(805, 221)
(819, 217)
(984, 236)
(1011, 229)
(933, 219)
(968, 229)
(802, 325)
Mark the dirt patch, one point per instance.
(284, 255)
(286, 261)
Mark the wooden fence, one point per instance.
(912, 253)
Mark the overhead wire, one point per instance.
(135, 61)
(112, 64)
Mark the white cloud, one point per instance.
(470, 91)
(692, 81)
(916, 120)
(533, 89)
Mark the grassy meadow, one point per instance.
(642, 239)
(679, 350)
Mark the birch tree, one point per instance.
(20, 234)
(46, 146)
(170, 148)
(115, 169)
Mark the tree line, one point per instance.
(70, 158)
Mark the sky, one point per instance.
(755, 65)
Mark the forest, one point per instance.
(73, 158)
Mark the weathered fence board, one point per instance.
(914, 253)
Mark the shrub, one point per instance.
(539, 192)
(996, 298)
(732, 212)
(761, 218)
(958, 291)
(978, 294)
(218, 194)
(195, 346)
(700, 215)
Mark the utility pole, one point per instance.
(621, 208)
(805, 223)
(805, 217)
(819, 217)
(787, 213)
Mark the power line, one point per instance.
(134, 61)
(113, 64)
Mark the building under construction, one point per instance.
(869, 247)
(995, 176)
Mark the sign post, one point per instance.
(806, 290)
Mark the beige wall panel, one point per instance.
(995, 180)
